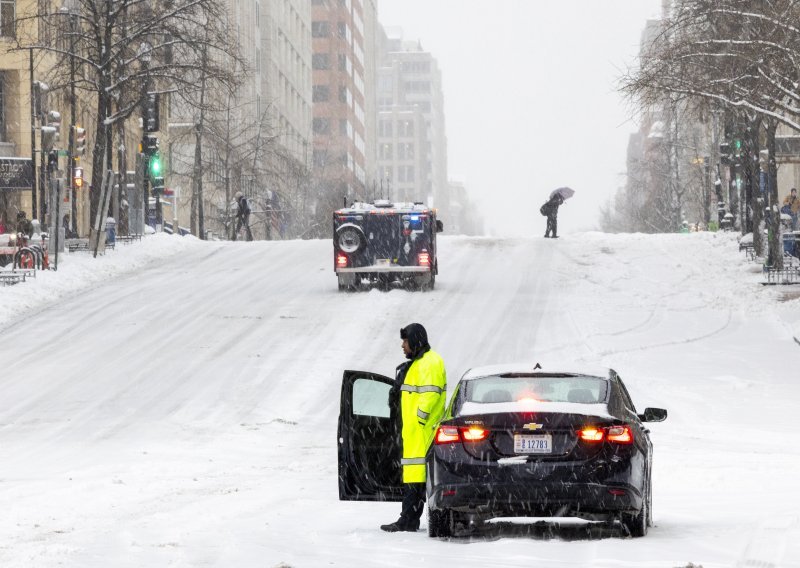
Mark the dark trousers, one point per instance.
(552, 226)
(413, 504)
(243, 220)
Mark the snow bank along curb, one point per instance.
(78, 271)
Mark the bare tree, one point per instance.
(127, 48)
(741, 55)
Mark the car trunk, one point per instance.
(531, 436)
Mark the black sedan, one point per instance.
(515, 441)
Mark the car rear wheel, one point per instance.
(636, 523)
(440, 523)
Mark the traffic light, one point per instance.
(151, 114)
(77, 178)
(725, 153)
(40, 91)
(79, 141)
(50, 130)
(49, 137)
(737, 147)
(150, 145)
(158, 185)
(154, 166)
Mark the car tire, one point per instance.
(636, 523)
(350, 239)
(440, 523)
(347, 284)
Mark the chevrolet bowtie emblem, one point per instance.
(532, 426)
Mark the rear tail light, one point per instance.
(453, 434)
(424, 259)
(620, 435)
(447, 435)
(474, 434)
(615, 434)
(617, 492)
(341, 261)
(591, 434)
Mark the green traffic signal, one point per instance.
(155, 166)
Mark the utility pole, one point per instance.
(34, 178)
(72, 118)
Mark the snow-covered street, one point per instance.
(174, 403)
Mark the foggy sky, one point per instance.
(530, 99)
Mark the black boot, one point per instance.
(400, 526)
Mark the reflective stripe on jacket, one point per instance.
(422, 401)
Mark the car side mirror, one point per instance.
(439, 226)
(653, 415)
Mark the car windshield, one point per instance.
(511, 388)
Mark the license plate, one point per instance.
(382, 262)
(538, 444)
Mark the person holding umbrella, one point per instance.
(550, 210)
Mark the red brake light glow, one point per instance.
(447, 435)
(591, 434)
(424, 259)
(620, 435)
(474, 434)
(341, 261)
(452, 434)
(615, 434)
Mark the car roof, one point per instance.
(538, 367)
(385, 207)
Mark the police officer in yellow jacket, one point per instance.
(422, 383)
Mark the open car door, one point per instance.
(369, 439)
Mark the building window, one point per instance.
(405, 151)
(385, 128)
(320, 93)
(405, 128)
(320, 29)
(385, 152)
(405, 173)
(321, 61)
(342, 62)
(7, 18)
(343, 130)
(321, 126)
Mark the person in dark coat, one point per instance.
(242, 216)
(24, 225)
(550, 210)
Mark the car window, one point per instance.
(370, 398)
(626, 397)
(578, 389)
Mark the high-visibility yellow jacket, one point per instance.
(422, 401)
